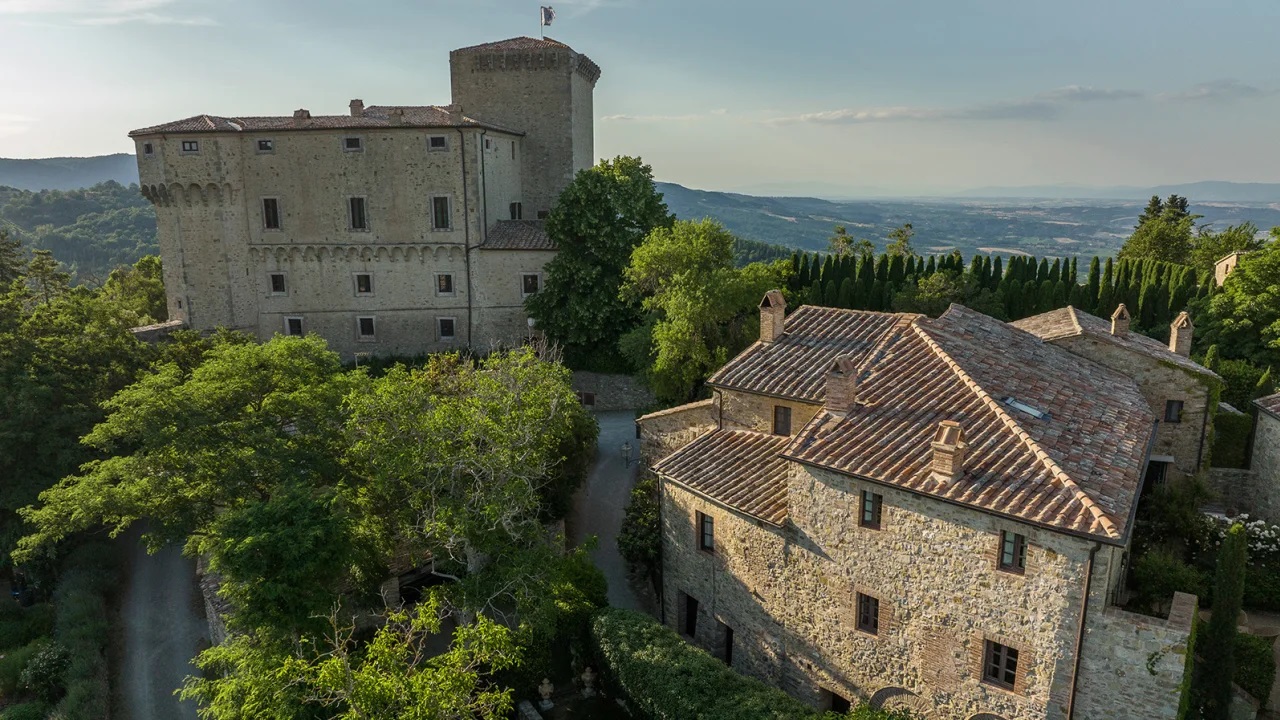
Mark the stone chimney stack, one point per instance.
(1120, 321)
(396, 116)
(357, 108)
(1180, 334)
(842, 386)
(948, 451)
(773, 314)
(301, 116)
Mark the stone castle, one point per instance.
(391, 230)
(932, 514)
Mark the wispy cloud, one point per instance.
(103, 12)
(576, 8)
(691, 117)
(1044, 106)
(11, 125)
(1218, 90)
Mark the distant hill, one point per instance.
(68, 173)
(1207, 191)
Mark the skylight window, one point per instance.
(1034, 412)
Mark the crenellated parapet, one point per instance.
(407, 253)
(189, 194)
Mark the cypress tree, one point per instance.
(975, 267)
(1030, 298)
(1055, 270)
(1013, 299)
(876, 300)
(866, 276)
(1265, 386)
(831, 292)
(1060, 297)
(897, 271)
(1147, 308)
(1106, 303)
(815, 268)
(1043, 273)
(845, 297)
(828, 270)
(802, 274)
(1075, 271)
(1219, 641)
(996, 276)
(882, 269)
(1211, 361)
(1047, 296)
(814, 294)
(1090, 295)
(931, 267)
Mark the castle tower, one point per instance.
(541, 88)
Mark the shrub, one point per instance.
(1262, 588)
(12, 665)
(640, 538)
(1158, 575)
(80, 598)
(43, 674)
(1231, 433)
(25, 711)
(1255, 665)
(25, 624)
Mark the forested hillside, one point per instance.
(68, 173)
(91, 230)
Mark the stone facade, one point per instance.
(1225, 266)
(662, 433)
(1255, 491)
(605, 391)
(258, 232)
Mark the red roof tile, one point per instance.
(517, 44)
(738, 468)
(1071, 322)
(374, 117)
(518, 235)
(1270, 404)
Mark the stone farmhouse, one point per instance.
(931, 514)
(391, 230)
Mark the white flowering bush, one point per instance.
(1264, 538)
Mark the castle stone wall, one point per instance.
(613, 392)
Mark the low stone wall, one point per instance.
(1134, 661)
(215, 608)
(611, 392)
(157, 333)
(1241, 491)
(665, 431)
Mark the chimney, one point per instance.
(300, 117)
(842, 386)
(948, 451)
(1120, 321)
(396, 116)
(357, 108)
(773, 312)
(1180, 334)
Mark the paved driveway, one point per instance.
(602, 501)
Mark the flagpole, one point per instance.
(542, 27)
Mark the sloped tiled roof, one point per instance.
(1270, 404)
(741, 469)
(517, 44)
(518, 235)
(1071, 322)
(795, 365)
(374, 117)
(1077, 468)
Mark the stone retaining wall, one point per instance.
(611, 392)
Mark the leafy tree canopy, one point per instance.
(1243, 317)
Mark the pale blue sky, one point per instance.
(909, 96)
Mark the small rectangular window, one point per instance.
(488, 143)
(277, 284)
(364, 328)
(1013, 552)
(587, 399)
(706, 533)
(1173, 411)
(364, 284)
(870, 517)
(517, 212)
(293, 326)
(271, 213)
(440, 219)
(357, 216)
(147, 149)
(444, 284)
(868, 614)
(728, 644)
(781, 420)
(1000, 665)
(447, 328)
(529, 284)
(690, 615)
(437, 143)
(352, 144)
(266, 146)
(513, 149)
(190, 146)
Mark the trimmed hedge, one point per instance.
(1255, 665)
(666, 678)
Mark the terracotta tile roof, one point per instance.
(1077, 468)
(518, 235)
(1070, 322)
(795, 365)
(1270, 404)
(374, 117)
(741, 469)
(517, 44)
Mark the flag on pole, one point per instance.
(548, 14)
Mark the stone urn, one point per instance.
(545, 690)
(588, 682)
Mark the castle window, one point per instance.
(868, 614)
(1000, 665)
(690, 608)
(352, 144)
(266, 146)
(513, 149)
(293, 326)
(190, 147)
(1173, 411)
(271, 213)
(1013, 552)
(357, 216)
(364, 284)
(277, 284)
(706, 533)
(147, 148)
(870, 516)
(365, 329)
(440, 216)
(446, 328)
(488, 143)
(586, 398)
(444, 284)
(726, 632)
(781, 420)
(517, 212)
(529, 284)
(437, 143)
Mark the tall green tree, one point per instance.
(1208, 247)
(842, 244)
(597, 221)
(900, 241)
(139, 290)
(1243, 317)
(1164, 232)
(1218, 643)
(12, 259)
